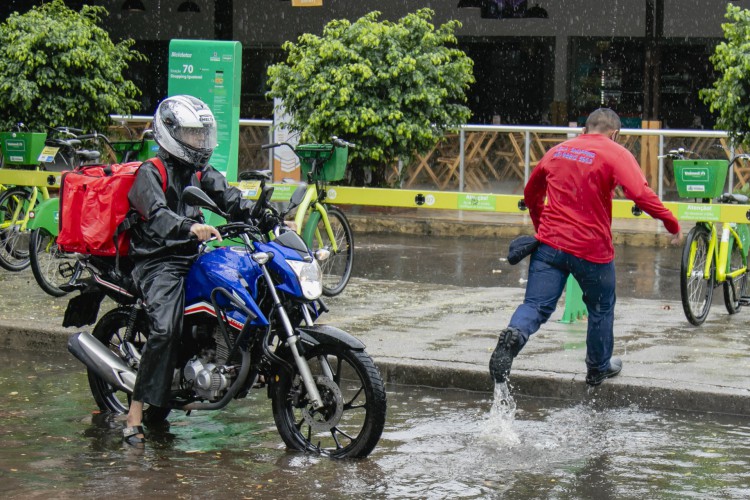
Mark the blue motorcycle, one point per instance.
(249, 323)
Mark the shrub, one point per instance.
(730, 95)
(58, 68)
(392, 88)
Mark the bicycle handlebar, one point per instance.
(337, 142)
(341, 143)
(77, 133)
(743, 156)
(678, 154)
(277, 144)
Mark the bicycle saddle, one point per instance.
(86, 155)
(734, 198)
(64, 143)
(256, 175)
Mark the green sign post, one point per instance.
(210, 70)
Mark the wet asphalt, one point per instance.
(429, 297)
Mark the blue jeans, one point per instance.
(548, 273)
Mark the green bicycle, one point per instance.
(711, 256)
(320, 224)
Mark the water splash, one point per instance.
(499, 425)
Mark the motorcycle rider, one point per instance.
(161, 246)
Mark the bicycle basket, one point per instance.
(143, 149)
(700, 178)
(334, 168)
(22, 148)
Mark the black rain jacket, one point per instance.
(165, 221)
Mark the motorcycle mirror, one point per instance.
(196, 197)
(296, 199)
(262, 202)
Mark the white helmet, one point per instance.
(185, 127)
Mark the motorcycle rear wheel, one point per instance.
(110, 331)
(353, 416)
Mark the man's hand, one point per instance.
(677, 239)
(204, 232)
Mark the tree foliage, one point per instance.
(392, 88)
(58, 68)
(730, 95)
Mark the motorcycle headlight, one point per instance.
(310, 277)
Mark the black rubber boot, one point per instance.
(597, 377)
(502, 358)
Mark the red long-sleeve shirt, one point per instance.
(578, 178)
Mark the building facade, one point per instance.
(536, 62)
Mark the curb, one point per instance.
(14, 336)
(617, 392)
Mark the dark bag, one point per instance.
(520, 247)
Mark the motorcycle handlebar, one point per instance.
(229, 230)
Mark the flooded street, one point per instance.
(437, 444)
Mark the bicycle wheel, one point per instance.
(338, 268)
(14, 243)
(48, 263)
(735, 289)
(696, 289)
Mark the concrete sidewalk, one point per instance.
(444, 337)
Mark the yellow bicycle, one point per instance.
(711, 256)
(320, 224)
(19, 202)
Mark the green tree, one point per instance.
(58, 68)
(391, 88)
(730, 95)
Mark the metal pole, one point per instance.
(462, 141)
(526, 157)
(661, 167)
(730, 187)
(270, 151)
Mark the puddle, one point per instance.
(437, 444)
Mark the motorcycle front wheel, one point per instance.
(350, 423)
(110, 331)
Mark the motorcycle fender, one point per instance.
(326, 334)
(46, 215)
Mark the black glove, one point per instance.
(268, 220)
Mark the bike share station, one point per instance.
(211, 71)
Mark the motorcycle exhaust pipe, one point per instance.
(102, 361)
